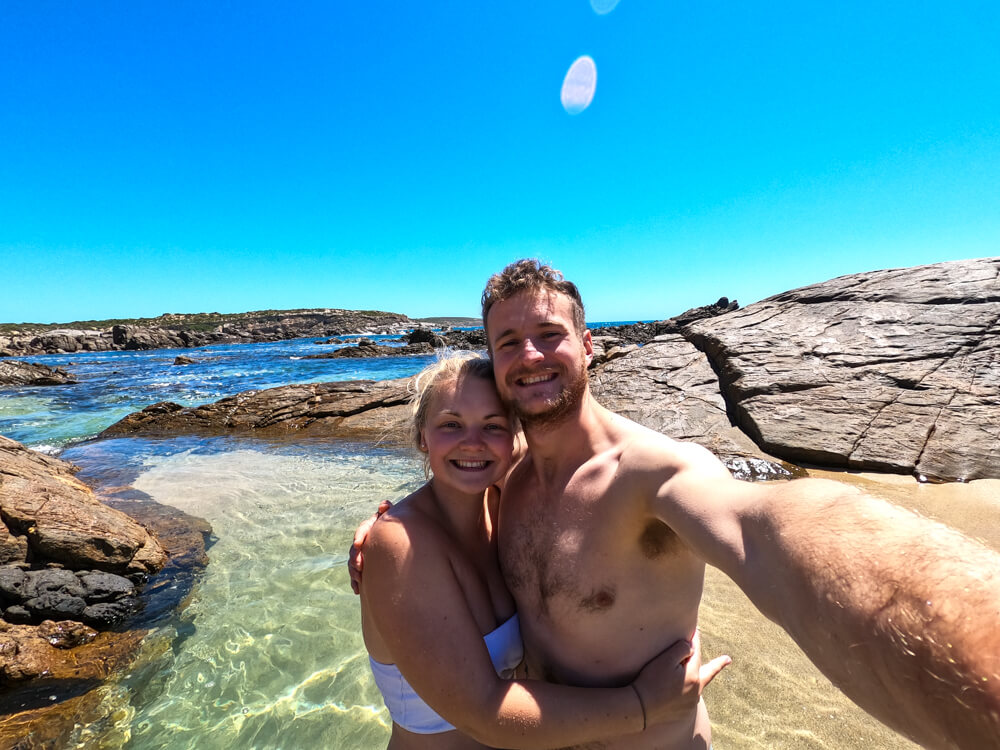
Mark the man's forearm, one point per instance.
(901, 613)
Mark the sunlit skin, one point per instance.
(433, 588)
(539, 359)
(600, 583)
(467, 439)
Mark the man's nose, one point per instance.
(530, 352)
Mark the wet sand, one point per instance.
(772, 697)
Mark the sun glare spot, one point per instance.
(603, 7)
(579, 85)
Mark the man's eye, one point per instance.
(507, 344)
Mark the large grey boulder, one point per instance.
(669, 386)
(895, 370)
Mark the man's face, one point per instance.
(539, 359)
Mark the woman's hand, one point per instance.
(355, 558)
(670, 686)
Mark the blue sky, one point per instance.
(205, 156)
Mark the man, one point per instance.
(605, 529)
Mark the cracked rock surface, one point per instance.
(895, 370)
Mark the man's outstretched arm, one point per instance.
(899, 612)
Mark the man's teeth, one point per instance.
(536, 379)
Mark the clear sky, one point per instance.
(196, 156)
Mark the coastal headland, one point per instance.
(176, 331)
(894, 371)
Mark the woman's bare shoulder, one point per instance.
(405, 529)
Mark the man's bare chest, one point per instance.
(575, 551)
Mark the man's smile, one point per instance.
(532, 379)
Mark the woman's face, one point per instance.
(467, 437)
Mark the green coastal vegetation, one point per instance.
(206, 321)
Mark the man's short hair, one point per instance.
(531, 275)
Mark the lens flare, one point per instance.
(579, 85)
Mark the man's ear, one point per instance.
(588, 346)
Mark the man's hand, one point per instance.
(355, 558)
(670, 686)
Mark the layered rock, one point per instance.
(353, 409)
(14, 372)
(53, 517)
(668, 386)
(366, 348)
(895, 370)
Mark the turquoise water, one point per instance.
(114, 384)
(268, 652)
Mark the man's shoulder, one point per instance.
(646, 450)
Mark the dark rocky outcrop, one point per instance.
(55, 645)
(14, 372)
(353, 409)
(425, 336)
(182, 360)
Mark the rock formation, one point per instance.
(14, 372)
(366, 348)
(50, 516)
(352, 409)
(173, 331)
(892, 371)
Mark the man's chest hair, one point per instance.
(571, 552)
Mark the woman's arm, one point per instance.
(416, 603)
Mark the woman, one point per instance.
(440, 625)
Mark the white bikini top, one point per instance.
(409, 710)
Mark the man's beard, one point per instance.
(558, 410)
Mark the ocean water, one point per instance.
(267, 652)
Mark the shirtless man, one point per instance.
(605, 528)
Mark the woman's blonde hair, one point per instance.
(447, 370)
